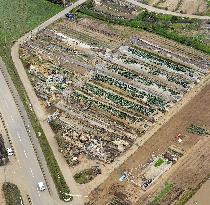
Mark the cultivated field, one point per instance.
(105, 87)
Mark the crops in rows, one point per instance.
(147, 81)
(135, 92)
(118, 100)
(106, 107)
(194, 129)
(160, 61)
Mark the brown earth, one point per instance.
(182, 6)
(186, 174)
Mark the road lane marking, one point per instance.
(19, 136)
(25, 153)
(11, 117)
(5, 102)
(19, 163)
(32, 172)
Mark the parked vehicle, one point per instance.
(41, 186)
(10, 152)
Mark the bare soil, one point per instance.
(182, 6)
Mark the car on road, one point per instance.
(41, 186)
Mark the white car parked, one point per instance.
(10, 152)
(41, 186)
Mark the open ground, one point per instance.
(198, 7)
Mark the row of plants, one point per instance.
(118, 100)
(146, 81)
(88, 101)
(151, 99)
(82, 37)
(172, 78)
(161, 195)
(194, 129)
(3, 152)
(160, 61)
(87, 175)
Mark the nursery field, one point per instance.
(105, 87)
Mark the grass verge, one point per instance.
(12, 194)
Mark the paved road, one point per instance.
(27, 160)
(39, 111)
(163, 11)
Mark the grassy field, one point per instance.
(12, 194)
(19, 17)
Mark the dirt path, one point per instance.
(162, 11)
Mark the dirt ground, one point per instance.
(182, 6)
(186, 174)
(202, 196)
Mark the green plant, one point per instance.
(168, 188)
(159, 162)
(194, 129)
(87, 175)
(12, 194)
